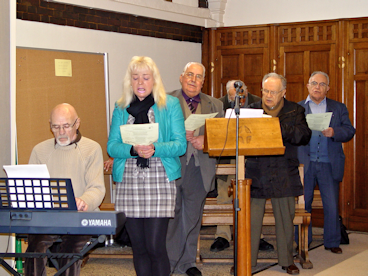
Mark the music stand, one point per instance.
(257, 137)
(23, 204)
(37, 194)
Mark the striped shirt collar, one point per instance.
(196, 99)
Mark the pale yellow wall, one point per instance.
(169, 55)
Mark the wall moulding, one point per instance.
(159, 9)
(217, 8)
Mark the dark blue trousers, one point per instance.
(321, 173)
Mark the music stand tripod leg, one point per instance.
(8, 268)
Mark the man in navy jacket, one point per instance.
(324, 158)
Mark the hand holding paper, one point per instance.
(328, 132)
(319, 121)
(195, 121)
(139, 134)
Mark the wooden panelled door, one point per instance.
(303, 49)
(356, 98)
(295, 50)
(248, 65)
(241, 54)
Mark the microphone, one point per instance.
(238, 84)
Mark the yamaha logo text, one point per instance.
(96, 222)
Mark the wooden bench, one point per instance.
(222, 214)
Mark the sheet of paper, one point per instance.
(63, 68)
(319, 121)
(27, 171)
(195, 121)
(139, 134)
(245, 113)
(22, 192)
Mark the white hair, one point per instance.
(230, 84)
(191, 63)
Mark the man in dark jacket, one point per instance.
(223, 232)
(324, 158)
(229, 99)
(277, 177)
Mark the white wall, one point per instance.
(6, 45)
(250, 12)
(7, 79)
(169, 55)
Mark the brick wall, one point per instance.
(74, 16)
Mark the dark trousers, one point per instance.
(284, 212)
(184, 228)
(148, 238)
(321, 173)
(40, 244)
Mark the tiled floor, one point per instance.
(111, 263)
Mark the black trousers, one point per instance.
(40, 244)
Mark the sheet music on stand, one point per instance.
(30, 187)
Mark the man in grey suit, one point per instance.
(197, 174)
(324, 158)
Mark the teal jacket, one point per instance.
(170, 145)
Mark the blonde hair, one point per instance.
(138, 63)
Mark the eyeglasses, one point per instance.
(191, 75)
(321, 84)
(273, 93)
(65, 127)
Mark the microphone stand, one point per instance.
(236, 197)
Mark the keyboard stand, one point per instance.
(52, 256)
(26, 206)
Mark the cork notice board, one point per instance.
(45, 78)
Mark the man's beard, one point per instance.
(63, 144)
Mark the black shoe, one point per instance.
(291, 269)
(336, 250)
(193, 271)
(219, 244)
(265, 246)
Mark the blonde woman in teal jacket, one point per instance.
(145, 174)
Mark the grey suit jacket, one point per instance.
(207, 164)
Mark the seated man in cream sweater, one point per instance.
(68, 155)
